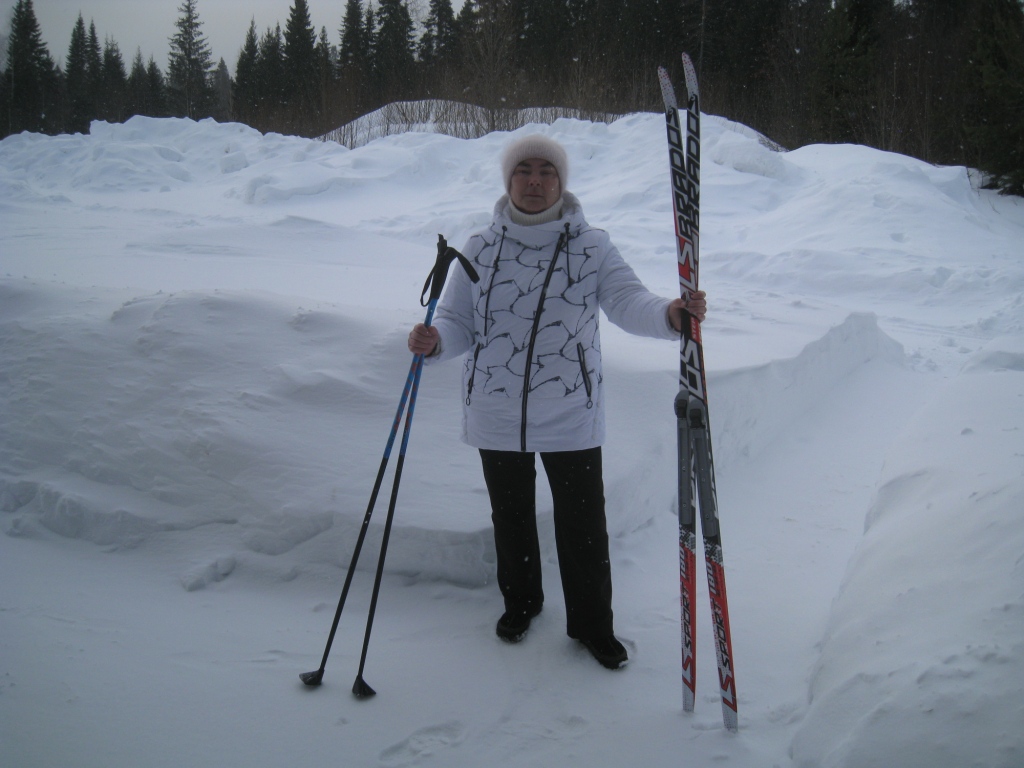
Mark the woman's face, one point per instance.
(535, 185)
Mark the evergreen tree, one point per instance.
(326, 56)
(30, 90)
(438, 43)
(157, 97)
(354, 52)
(137, 101)
(792, 76)
(488, 33)
(394, 53)
(353, 70)
(221, 85)
(189, 66)
(114, 84)
(80, 107)
(300, 62)
(998, 126)
(545, 44)
(326, 64)
(246, 88)
(369, 73)
(465, 28)
(94, 67)
(272, 80)
(845, 67)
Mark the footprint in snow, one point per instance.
(423, 744)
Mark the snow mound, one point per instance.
(924, 654)
(174, 411)
(752, 407)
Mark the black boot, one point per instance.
(512, 625)
(608, 651)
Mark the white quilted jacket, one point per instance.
(529, 330)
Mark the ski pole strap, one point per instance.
(439, 272)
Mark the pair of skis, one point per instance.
(696, 477)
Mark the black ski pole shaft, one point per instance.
(316, 677)
(434, 283)
(360, 688)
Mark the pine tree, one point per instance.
(80, 107)
(326, 64)
(221, 86)
(394, 58)
(30, 90)
(354, 50)
(846, 65)
(370, 42)
(246, 88)
(114, 84)
(300, 63)
(545, 49)
(157, 97)
(94, 68)
(438, 43)
(189, 66)
(273, 84)
(326, 56)
(353, 69)
(137, 101)
(488, 32)
(998, 125)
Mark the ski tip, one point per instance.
(361, 690)
(690, 73)
(312, 679)
(668, 93)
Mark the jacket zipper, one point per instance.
(563, 239)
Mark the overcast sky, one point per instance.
(149, 24)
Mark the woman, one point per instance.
(532, 382)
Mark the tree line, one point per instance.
(942, 80)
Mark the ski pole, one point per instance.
(435, 283)
(315, 677)
(360, 687)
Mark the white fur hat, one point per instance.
(535, 145)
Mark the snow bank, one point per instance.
(231, 411)
(754, 406)
(924, 656)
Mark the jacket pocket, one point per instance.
(587, 383)
(472, 373)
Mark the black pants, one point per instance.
(581, 535)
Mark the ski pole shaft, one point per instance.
(360, 688)
(314, 678)
(434, 284)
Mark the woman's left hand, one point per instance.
(696, 305)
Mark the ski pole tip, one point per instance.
(312, 679)
(361, 689)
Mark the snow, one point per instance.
(201, 352)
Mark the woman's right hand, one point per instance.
(423, 339)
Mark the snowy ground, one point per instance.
(201, 351)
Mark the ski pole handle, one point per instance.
(439, 273)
